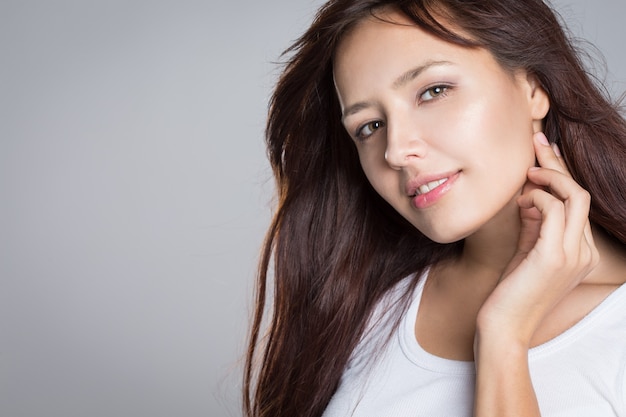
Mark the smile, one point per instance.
(429, 193)
(423, 189)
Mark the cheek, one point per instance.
(509, 167)
(502, 133)
(507, 160)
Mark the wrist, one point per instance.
(500, 344)
(506, 328)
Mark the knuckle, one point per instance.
(554, 204)
(584, 196)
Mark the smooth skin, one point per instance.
(420, 109)
(556, 251)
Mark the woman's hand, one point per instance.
(555, 253)
(555, 249)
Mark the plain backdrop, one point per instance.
(134, 195)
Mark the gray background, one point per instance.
(135, 194)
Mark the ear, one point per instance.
(538, 101)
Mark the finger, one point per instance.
(559, 183)
(548, 156)
(559, 155)
(552, 212)
(589, 236)
(553, 243)
(588, 244)
(576, 201)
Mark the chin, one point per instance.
(446, 240)
(444, 236)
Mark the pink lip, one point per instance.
(430, 198)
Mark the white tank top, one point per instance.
(580, 373)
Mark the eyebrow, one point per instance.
(399, 82)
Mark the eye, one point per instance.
(368, 129)
(434, 92)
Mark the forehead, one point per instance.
(379, 49)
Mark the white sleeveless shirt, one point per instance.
(580, 373)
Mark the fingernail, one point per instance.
(542, 139)
(556, 150)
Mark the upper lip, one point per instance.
(415, 183)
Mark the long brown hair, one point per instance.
(336, 246)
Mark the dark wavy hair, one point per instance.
(336, 246)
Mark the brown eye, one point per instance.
(433, 92)
(368, 129)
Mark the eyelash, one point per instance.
(359, 132)
(444, 91)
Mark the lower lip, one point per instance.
(423, 201)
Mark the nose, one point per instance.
(404, 144)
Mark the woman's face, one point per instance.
(444, 133)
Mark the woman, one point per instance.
(451, 228)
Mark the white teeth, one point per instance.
(423, 189)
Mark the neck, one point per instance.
(610, 269)
(488, 251)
